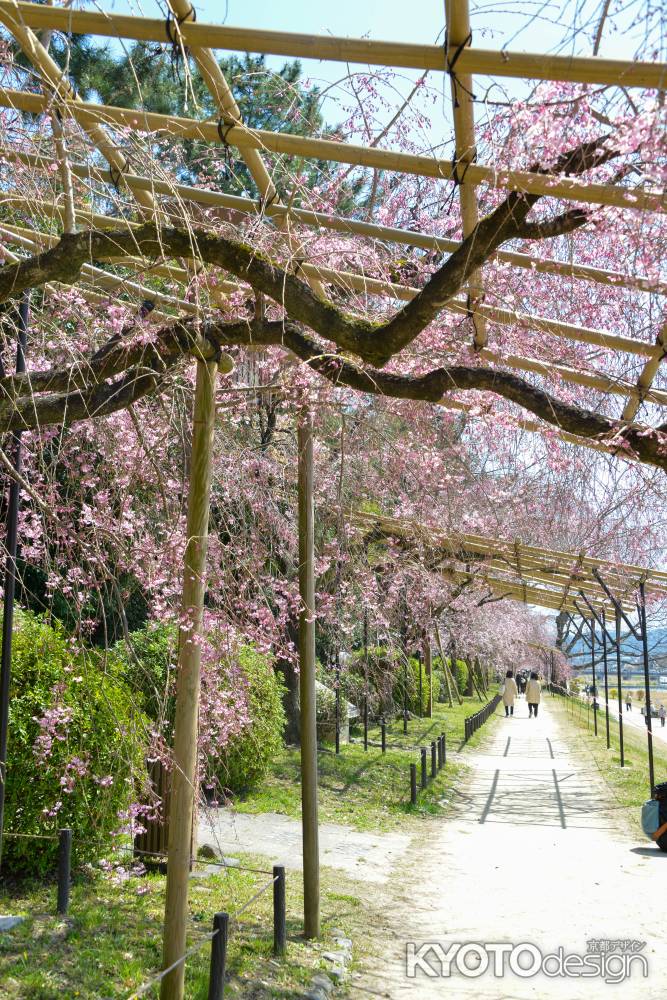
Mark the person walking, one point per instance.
(628, 703)
(533, 694)
(509, 693)
(662, 713)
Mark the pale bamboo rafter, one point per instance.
(534, 66)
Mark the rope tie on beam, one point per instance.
(116, 174)
(264, 203)
(172, 26)
(224, 128)
(450, 63)
(467, 163)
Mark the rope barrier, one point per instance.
(145, 987)
(31, 836)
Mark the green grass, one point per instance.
(111, 941)
(369, 790)
(629, 784)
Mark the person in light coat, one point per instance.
(509, 693)
(533, 692)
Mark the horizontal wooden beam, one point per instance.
(533, 66)
(603, 383)
(506, 548)
(566, 188)
(321, 220)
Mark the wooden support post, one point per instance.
(184, 777)
(308, 713)
(445, 668)
(428, 668)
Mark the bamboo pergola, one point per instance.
(22, 19)
(32, 223)
(548, 578)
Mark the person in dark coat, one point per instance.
(660, 836)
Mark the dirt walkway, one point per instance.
(533, 854)
(368, 857)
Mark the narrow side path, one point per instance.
(535, 852)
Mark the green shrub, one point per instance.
(247, 757)
(150, 665)
(76, 749)
(461, 675)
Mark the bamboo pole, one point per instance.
(63, 92)
(567, 374)
(459, 37)
(428, 668)
(335, 223)
(307, 690)
(570, 189)
(534, 66)
(489, 545)
(220, 90)
(450, 679)
(184, 774)
(646, 376)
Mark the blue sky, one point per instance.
(521, 25)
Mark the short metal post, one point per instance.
(216, 982)
(424, 776)
(413, 784)
(64, 869)
(444, 749)
(383, 734)
(279, 920)
(438, 745)
(434, 764)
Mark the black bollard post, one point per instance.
(434, 765)
(444, 749)
(216, 982)
(64, 869)
(413, 784)
(383, 732)
(279, 920)
(438, 746)
(423, 764)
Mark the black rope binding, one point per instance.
(451, 67)
(223, 131)
(263, 204)
(172, 25)
(116, 174)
